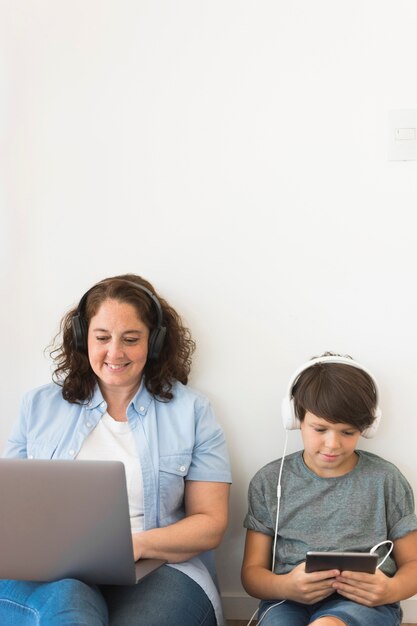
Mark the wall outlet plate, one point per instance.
(402, 135)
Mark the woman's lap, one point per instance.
(167, 597)
(353, 614)
(65, 602)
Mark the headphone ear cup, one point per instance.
(289, 420)
(369, 432)
(79, 333)
(156, 343)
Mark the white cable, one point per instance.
(267, 610)
(279, 500)
(378, 545)
(276, 528)
(250, 621)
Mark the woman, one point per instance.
(119, 392)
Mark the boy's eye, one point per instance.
(320, 430)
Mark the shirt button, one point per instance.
(30, 456)
(182, 468)
(88, 424)
(141, 408)
(71, 452)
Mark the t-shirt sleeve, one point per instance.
(258, 517)
(210, 459)
(401, 515)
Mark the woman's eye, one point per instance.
(131, 340)
(102, 338)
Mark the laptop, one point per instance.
(67, 519)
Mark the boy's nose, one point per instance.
(333, 440)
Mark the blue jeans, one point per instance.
(167, 597)
(291, 613)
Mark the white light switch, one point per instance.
(405, 134)
(402, 135)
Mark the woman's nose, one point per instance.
(115, 347)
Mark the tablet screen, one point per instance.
(350, 561)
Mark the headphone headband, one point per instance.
(291, 421)
(156, 336)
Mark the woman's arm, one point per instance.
(259, 581)
(203, 527)
(376, 589)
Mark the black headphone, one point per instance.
(156, 336)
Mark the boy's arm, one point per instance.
(260, 582)
(376, 589)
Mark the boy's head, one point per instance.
(339, 392)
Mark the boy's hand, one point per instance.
(367, 589)
(312, 587)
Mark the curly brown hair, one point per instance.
(73, 371)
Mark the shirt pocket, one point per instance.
(38, 450)
(172, 471)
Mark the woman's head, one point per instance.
(337, 392)
(169, 348)
(123, 291)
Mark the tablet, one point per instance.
(349, 561)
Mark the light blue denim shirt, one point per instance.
(176, 440)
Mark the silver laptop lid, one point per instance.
(66, 519)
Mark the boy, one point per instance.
(334, 498)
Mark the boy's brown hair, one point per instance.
(336, 392)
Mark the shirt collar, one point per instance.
(141, 400)
(97, 400)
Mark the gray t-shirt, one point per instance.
(371, 503)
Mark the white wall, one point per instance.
(234, 153)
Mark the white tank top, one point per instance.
(113, 441)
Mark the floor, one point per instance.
(242, 622)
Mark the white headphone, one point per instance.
(289, 418)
